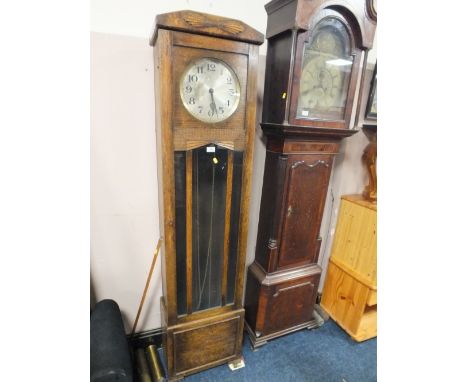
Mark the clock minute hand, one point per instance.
(213, 107)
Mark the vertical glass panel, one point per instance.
(209, 177)
(180, 212)
(235, 216)
(326, 70)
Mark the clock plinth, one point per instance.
(205, 86)
(315, 48)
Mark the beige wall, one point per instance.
(124, 212)
(124, 216)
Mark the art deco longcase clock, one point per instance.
(205, 86)
(313, 62)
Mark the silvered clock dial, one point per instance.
(325, 72)
(210, 90)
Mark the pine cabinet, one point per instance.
(350, 291)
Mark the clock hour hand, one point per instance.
(213, 107)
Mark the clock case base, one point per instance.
(258, 342)
(200, 344)
(293, 291)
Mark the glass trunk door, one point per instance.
(208, 182)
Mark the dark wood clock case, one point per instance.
(283, 280)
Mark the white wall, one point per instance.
(124, 212)
(136, 18)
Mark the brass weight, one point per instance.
(155, 368)
(142, 366)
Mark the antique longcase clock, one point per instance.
(206, 76)
(314, 58)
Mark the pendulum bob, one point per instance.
(157, 374)
(142, 366)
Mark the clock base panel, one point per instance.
(281, 302)
(257, 342)
(197, 345)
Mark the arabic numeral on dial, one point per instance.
(188, 89)
(191, 101)
(210, 113)
(229, 81)
(200, 69)
(221, 110)
(228, 103)
(231, 91)
(192, 78)
(200, 109)
(211, 67)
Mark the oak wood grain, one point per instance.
(250, 120)
(163, 76)
(227, 226)
(188, 222)
(202, 339)
(206, 24)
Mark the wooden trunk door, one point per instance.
(305, 194)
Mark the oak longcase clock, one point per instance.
(314, 59)
(206, 68)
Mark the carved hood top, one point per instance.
(202, 23)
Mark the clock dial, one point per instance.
(320, 85)
(326, 72)
(210, 90)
